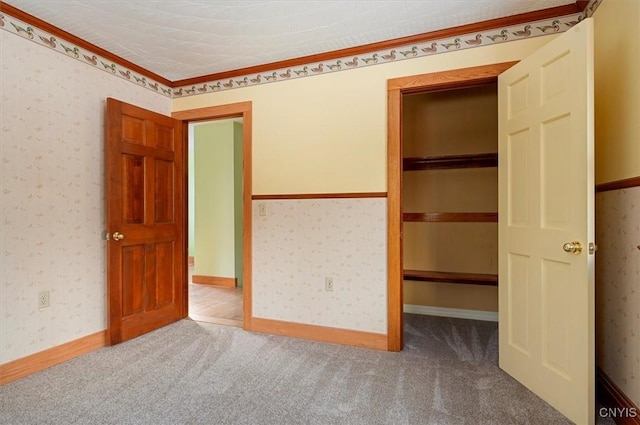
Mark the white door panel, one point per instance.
(546, 200)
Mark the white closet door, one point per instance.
(546, 208)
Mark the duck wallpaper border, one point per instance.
(431, 47)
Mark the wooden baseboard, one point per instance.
(615, 403)
(223, 282)
(319, 333)
(37, 362)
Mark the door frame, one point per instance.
(234, 110)
(396, 88)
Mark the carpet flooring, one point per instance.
(199, 373)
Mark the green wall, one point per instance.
(191, 194)
(217, 200)
(237, 205)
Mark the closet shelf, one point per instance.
(452, 217)
(451, 277)
(450, 161)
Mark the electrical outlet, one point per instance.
(262, 209)
(43, 299)
(328, 284)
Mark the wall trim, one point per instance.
(25, 366)
(611, 396)
(223, 282)
(531, 24)
(618, 184)
(320, 333)
(570, 11)
(353, 195)
(60, 33)
(458, 313)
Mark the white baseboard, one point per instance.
(458, 313)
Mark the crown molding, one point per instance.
(531, 24)
(79, 42)
(514, 20)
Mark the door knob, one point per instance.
(574, 247)
(117, 236)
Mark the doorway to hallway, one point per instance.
(215, 218)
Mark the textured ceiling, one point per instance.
(180, 39)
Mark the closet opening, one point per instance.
(450, 202)
(442, 176)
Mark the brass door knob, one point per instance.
(574, 247)
(117, 236)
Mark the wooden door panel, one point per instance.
(145, 204)
(133, 278)
(164, 138)
(133, 171)
(133, 130)
(163, 192)
(164, 291)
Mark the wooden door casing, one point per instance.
(396, 88)
(145, 203)
(235, 110)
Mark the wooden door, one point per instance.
(546, 195)
(145, 219)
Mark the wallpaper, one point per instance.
(618, 288)
(51, 194)
(299, 243)
(434, 46)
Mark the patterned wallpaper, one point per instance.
(618, 288)
(301, 242)
(51, 194)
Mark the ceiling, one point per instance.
(182, 39)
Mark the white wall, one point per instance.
(52, 193)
